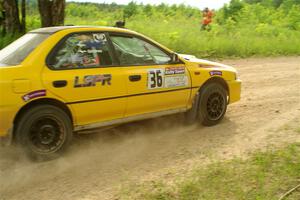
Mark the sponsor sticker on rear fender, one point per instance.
(33, 95)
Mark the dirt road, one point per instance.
(99, 165)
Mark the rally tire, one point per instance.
(212, 104)
(44, 132)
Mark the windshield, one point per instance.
(17, 51)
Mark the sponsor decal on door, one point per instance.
(169, 77)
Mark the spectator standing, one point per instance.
(207, 19)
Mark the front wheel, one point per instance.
(212, 104)
(44, 132)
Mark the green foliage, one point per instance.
(5, 40)
(240, 29)
(262, 176)
(130, 10)
(148, 10)
(274, 3)
(31, 7)
(233, 9)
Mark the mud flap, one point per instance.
(7, 140)
(192, 114)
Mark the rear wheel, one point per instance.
(44, 132)
(212, 104)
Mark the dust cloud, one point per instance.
(107, 150)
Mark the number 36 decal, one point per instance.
(155, 78)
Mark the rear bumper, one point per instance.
(234, 90)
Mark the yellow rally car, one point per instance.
(59, 80)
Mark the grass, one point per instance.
(186, 37)
(263, 176)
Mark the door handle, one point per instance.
(60, 83)
(134, 78)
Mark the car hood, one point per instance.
(206, 63)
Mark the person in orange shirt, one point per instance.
(207, 19)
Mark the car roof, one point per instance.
(55, 29)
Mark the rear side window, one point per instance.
(17, 51)
(82, 50)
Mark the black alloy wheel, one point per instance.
(44, 132)
(212, 104)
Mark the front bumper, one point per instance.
(234, 90)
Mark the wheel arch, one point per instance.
(193, 112)
(218, 80)
(43, 101)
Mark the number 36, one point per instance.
(155, 78)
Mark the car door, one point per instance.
(80, 71)
(153, 83)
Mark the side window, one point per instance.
(82, 50)
(134, 51)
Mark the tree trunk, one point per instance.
(45, 12)
(23, 13)
(52, 12)
(2, 17)
(58, 10)
(12, 21)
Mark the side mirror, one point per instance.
(175, 58)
